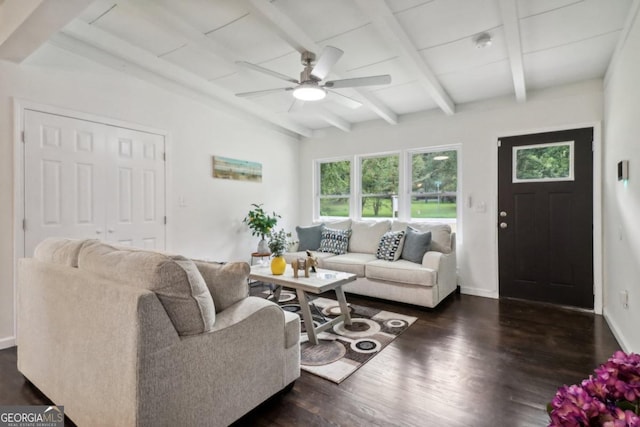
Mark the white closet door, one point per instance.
(136, 207)
(90, 180)
(63, 178)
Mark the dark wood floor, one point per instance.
(471, 362)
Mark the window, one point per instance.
(379, 180)
(335, 188)
(543, 162)
(434, 184)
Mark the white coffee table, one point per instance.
(317, 283)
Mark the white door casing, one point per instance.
(85, 179)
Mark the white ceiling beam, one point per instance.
(25, 25)
(511, 23)
(145, 60)
(392, 32)
(333, 119)
(293, 34)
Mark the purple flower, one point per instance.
(611, 398)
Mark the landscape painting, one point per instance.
(240, 170)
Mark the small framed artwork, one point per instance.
(239, 170)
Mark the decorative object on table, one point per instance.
(343, 349)
(261, 224)
(239, 170)
(610, 398)
(278, 244)
(306, 264)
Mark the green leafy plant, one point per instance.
(279, 242)
(259, 221)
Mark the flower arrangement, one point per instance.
(611, 398)
(259, 221)
(279, 242)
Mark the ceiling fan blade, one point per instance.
(267, 71)
(256, 93)
(345, 100)
(295, 105)
(359, 81)
(327, 60)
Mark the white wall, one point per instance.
(622, 202)
(210, 225)
(476, 127)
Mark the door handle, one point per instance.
(503, 225)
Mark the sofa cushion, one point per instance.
(309, 237)
(174, 279)
(440, 233)
(349, 263)
(334, 241)
(341, 224)
(59, 251)
(366, 235)
(401, 271)
(290, 256)
(227, 282)
(390, 246)
(416, 244)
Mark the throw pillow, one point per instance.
(334, 241)
(390, 246)
(416, 244)
(309, 237)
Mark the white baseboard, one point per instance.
(7, 342)
(479, 292)
(616, 330)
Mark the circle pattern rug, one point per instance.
(344, 348)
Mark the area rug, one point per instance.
(343, 349)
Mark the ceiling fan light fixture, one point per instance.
(309, 93)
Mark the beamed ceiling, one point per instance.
(427, 47)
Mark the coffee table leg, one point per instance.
(344, 308)
(276, 293)
(306, 316)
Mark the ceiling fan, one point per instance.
(309, 87)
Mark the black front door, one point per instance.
(545, 217)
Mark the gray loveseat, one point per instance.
(124, 337)
(425, 284)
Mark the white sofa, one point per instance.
(425, 284)
(123, 337)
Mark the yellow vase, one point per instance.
(278, 265)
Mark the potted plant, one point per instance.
(260, 224)
(278, 244)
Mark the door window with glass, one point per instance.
(335, 188)
(379, 181)
(434, 184)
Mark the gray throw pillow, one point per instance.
(309, 237)
(416, 244)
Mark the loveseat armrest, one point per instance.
(445, 267)
(227, 282)
(244, 309)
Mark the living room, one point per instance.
(71, 68)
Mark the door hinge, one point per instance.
(593, 146)
(24, 224)
(22, 137)
(165, 220)
(499, 143)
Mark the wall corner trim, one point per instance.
(617, 332)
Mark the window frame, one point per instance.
(409, 178)
(514, 162)
(359, 194)
(317, 187)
